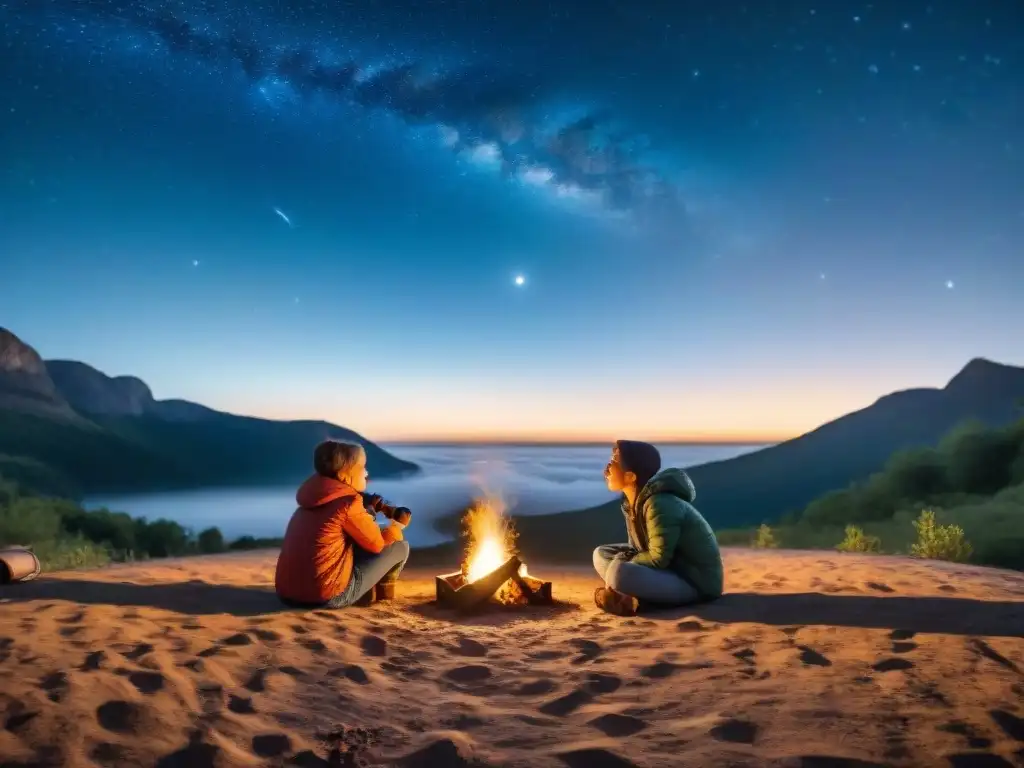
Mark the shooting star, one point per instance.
(284, 217)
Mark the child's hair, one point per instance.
(334, 458)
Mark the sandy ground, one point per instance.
(813, 659)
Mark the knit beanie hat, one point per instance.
(642, 459)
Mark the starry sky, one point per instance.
(469, 219)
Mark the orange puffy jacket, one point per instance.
(315, 563)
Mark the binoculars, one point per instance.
(375, 504)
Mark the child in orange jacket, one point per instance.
(334, 553)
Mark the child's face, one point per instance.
(613, 474)
(359, 476)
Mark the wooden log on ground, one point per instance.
(474, 593)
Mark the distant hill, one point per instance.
(68, 428)
(765, 484)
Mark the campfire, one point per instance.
(491, 571)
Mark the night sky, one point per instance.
(727, 219)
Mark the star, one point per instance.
(520, 280)
(950, 284)
(195, 262)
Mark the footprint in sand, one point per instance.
(589, 650)
(56, 685)
(257, 682)
(567, 704)
(879, 587)
(270, 745)
(469, 647)
(138, 651)
(470, 673)
(198, 754)
(313, 644)
(602, 682)
(19, 720)
(241, 705)
(618, 726)
(6, 644)
(902, 634)
(892, 665)
(374, 645)
(735, 732)
(351, 672)
(119, 716)
(594, 758)
(904, 647)
(535, 688)
(238, 639)
(812, 658)
(93, 661)
(267, 635)
(146, 682)
(660, 670)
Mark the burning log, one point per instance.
(491, 569)
(454, 590)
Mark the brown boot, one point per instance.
(385, 590)
(617, 603)
(366, 600)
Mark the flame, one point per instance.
(491, 538)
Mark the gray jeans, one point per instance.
(654, 585)
(369, 569)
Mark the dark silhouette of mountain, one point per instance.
(24, 382)
(67, 427)
(764, 485)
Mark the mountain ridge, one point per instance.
(72, 428)
(763, 485)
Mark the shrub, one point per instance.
(765, 538)
(939, 542)
(161, 538)
(29, 521)
(70, 553)
(980, 458)
(856, 541)
(210, 541)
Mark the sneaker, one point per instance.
(385, 590)
(617, 603)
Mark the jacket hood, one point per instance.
(319, 490)
(671, 480)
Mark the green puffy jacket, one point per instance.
(670, 532)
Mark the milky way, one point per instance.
(497, 119)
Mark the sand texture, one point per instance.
(813, 659)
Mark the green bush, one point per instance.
(979, 458)
(210, 541)
(70, 553)
(855, 540)
(939, 542)
(764, 539)
(63, 535)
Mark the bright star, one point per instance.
(520, 280)
(949, 284)
(195, 262)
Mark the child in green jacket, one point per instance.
(672, 557)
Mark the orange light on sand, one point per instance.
(490, 537)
